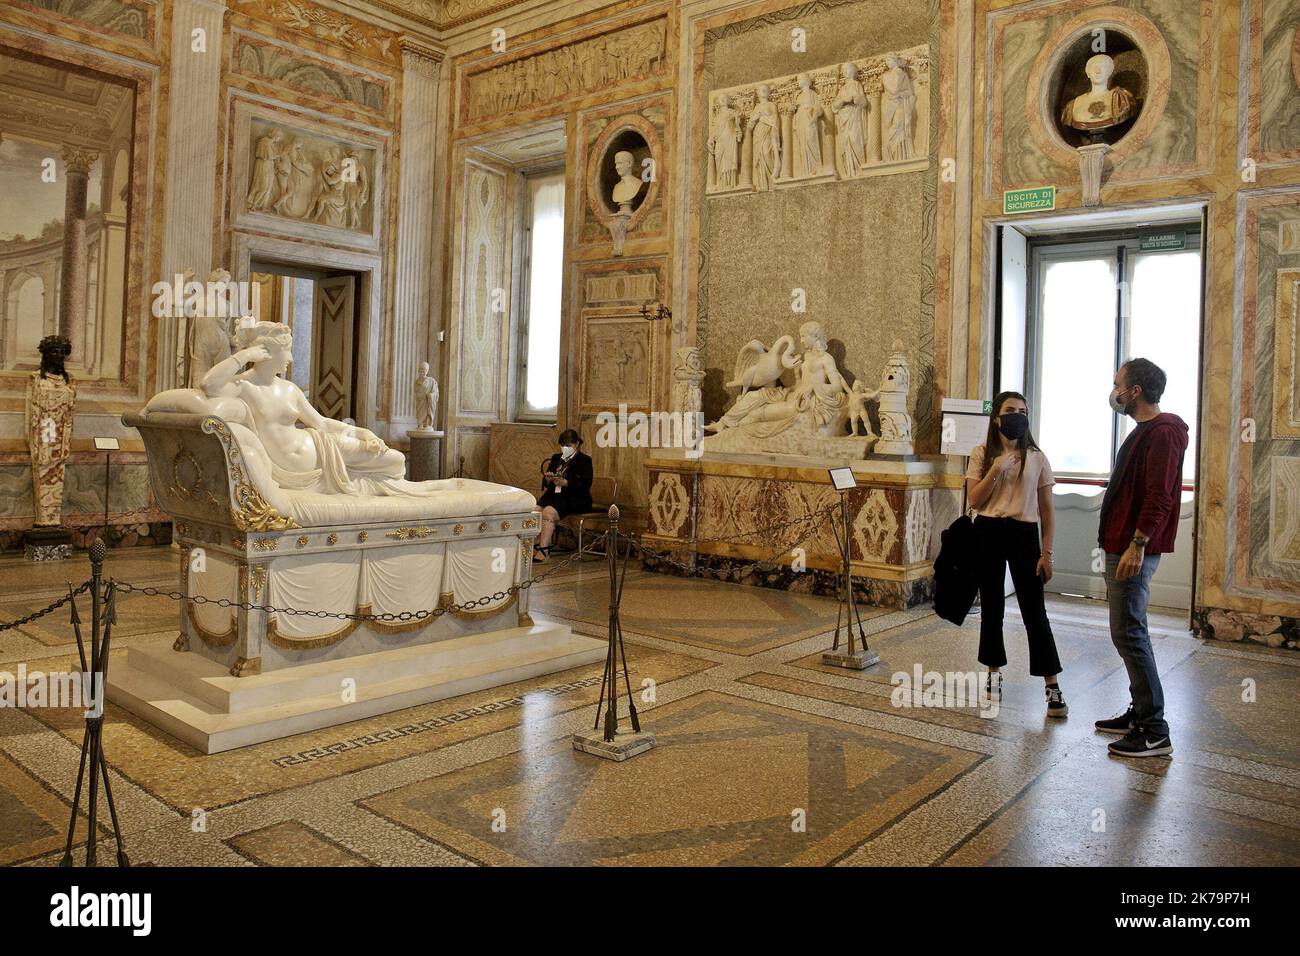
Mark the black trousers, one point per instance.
(1002, 542)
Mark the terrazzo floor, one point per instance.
(764, 755)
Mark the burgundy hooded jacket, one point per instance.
(1145, 489)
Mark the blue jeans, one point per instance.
(1128, 631)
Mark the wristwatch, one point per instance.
(1140, 541)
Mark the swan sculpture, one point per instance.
(757, 367)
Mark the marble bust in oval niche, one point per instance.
(622, 187)
(1101, 82)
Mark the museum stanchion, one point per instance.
(852, 657)
(103, 614)
(609, 742)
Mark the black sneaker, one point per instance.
(1138, 743)
(1056, 706)
(1117, 725)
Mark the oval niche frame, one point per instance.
(601, 151)
(1137, 29)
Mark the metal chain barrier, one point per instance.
(804, 528)
(49, 609)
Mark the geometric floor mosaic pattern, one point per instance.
(764, 755)
(690, 800)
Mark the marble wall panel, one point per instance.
(483, 282)
(1174, 141)
(1261, 491)
(129, 18)
(261, 59)
(856, 255)
(1274, 82)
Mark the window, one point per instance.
(1093, 305)
(541, 326)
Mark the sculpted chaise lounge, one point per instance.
(275, 505)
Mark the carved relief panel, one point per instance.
(841, 121)
(307, 180)
(578, 68)
(620, 350)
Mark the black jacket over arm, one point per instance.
(579, 473)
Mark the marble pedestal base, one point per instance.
(859, 660)
(196, 700)
(426, 455)
(623, 747)
(47, 544)
(742, 516)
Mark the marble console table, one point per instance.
(715, 511)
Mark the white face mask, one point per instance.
(567, 451)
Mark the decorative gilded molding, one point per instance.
(302, 541)
(407, 534)
(212, 638)
(363, 536)
(310, 643)
(458, 530)
(246, 667)
(251, 512)
(266, 544)
(332, 538)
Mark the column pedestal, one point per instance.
(426, 455)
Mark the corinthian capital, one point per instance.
(79, 159)
(419, 56)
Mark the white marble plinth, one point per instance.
(623, 747)
(196, 700)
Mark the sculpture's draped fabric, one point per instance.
(411, 577)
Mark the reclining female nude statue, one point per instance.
(325, 456)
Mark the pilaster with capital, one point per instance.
(421, 69)
(194, 111)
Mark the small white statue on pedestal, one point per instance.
(426, 399)
(895, 422)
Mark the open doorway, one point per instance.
(320, 306)
(1079, 296)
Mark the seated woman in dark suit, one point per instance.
(566, 489)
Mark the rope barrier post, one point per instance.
(852, 657)
(103, 614)
(609, 742)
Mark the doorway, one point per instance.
(320, 306)
(1076, 303)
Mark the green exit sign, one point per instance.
(1164, 240)
(988, 406)
(1037, 199)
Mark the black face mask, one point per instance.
(1013, 425)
